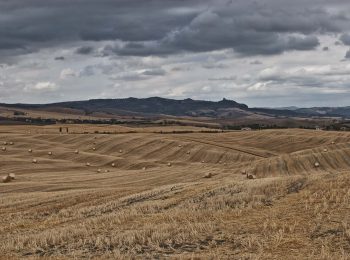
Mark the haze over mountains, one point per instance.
(186, 107)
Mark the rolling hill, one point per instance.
(147, 195)
(155, 106)
(150, 106)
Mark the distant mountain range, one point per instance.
(320, 111)
(146, 106)
(187, 107)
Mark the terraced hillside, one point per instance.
(137, 193)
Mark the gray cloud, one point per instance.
(337, 43)
(87, 71)
(347, 55)
(245, 43)
(170, 26)
(323, 77)
(174, 48)
(84, 50)
(231, 78)
(59, 58)
(214, 65)
(345, 38)
(154, 72)
(128, 76)
(44, 23)
(234, 27)
(145, 74)
(256, 62)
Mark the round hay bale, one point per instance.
(169, 164)
(12, 176)
(94, 148)
(251, 176)
(208, 175)
(106, 171)
(49, 153)
(144, 168)
(113, 164)
(5, 143)
(3, 149)
(76, 151)
(317, 164)
(120, 151)
(11, 143)
(34, 161)
(99, 170)
(333, 142)
(325, 150)
(180, 145)
(6, 179)
(88, 164)
(203, 161)
(30, 150)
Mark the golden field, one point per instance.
(176, 196)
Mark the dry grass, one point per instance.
(143, 209)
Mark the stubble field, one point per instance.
(144, 195)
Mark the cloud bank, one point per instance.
(244, 49)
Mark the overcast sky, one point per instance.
(262, 53)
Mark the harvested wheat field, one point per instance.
(274, 194)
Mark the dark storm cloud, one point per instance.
(84, 50)
(59, 58)
(345, 38)
(347, 55)
(246, 43)
(40, 22)
(163, 27)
